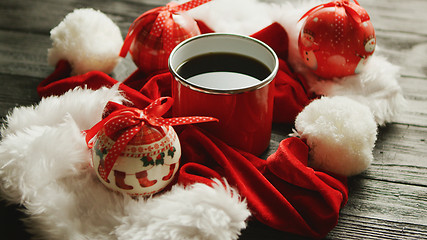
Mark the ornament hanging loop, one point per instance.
(354, 10)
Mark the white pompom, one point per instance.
(88, 39)
(340, 132)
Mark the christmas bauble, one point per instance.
(136, 151)
(336, 39)
(147, 164)
(158, 33)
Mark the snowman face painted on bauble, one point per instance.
(369, 47)
(307, 39)
(370, 44)
(307, 47)
(310, 59)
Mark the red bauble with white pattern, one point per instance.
(157, 32)
(154, 34)
(150, 53)
(336, 39)
(147, 164)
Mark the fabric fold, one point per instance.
(282, 191)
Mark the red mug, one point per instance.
(241, 102)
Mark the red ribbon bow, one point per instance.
(162, 25)
(127, 122)
(354, 10)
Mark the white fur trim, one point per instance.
(234, 16)
(195, 212)
(84, 105)
(340, 132)
(88, 39)
(376, 87)
(45, 166)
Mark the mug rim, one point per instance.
(202, 89)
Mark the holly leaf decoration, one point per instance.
(171, 151)
(101, 152)
(160, 158)
(147, 160)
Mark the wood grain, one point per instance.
(388, 201)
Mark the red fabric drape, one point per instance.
(282, 191)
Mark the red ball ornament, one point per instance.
(154, 34)
(336, 39)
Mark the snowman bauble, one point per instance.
(336, 39)
(136, 151)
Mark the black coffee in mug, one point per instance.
(223, 71)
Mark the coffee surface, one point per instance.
(223, 71)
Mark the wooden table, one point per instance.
(388, 201)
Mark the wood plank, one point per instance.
(394, 15)
(404, 144)
(24, 54)
(404, 44)
(17, 91)
(361, 227)
(386, 200)
(19, 15)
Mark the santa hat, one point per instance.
(219, 187)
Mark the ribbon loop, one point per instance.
(354, 10)
(159, 107)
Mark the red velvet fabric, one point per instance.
(60, 82)
(282, 191)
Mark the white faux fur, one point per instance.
(196, 212)
(88, 39)
(375, 87)
(45, 166)
(340, 132)
(52, 110)
(234, 16)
